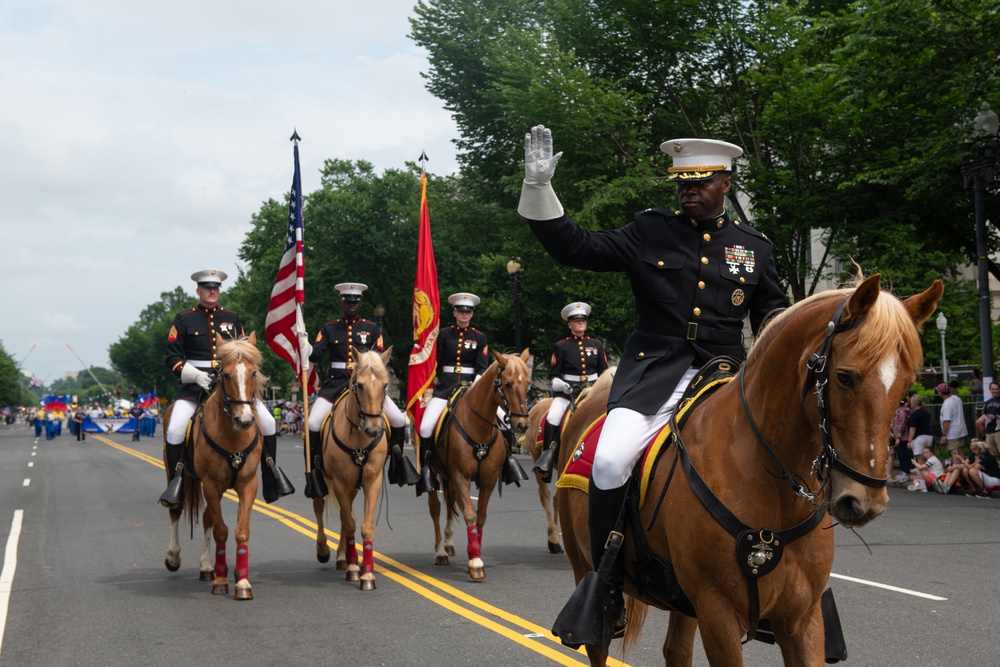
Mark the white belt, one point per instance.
(338, 364)
(580, 378)
(200, 364)
(463, 371)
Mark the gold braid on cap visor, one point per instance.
(694, 172)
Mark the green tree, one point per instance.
(139, 355)
(12, 392)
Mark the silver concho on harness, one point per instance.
(236, 460)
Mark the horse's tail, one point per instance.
(635, 612)
(193, 500)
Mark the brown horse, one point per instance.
(528, 441)
(354, 452)
(841, 359)
(225, 452)
(471, 448)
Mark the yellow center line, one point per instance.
(308, 528)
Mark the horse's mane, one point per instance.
(241, 349)
(886, 329)
(602, 383)
(371, 361)
(515, 359)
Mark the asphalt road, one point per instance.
(87, 585)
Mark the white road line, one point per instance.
(888, 587)
(9, 565)
(31, 464)
(33, 453)
(27, 481)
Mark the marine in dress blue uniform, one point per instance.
(695, 275)
(336, 339)
(577, 361)
(192, 356)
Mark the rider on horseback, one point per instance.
(191, 356)
(576, 363)
(695, 275)
(338, 337)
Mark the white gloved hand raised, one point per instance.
(539, 162)
(560, 386)
(192, 375)
(538, 199)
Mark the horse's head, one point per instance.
(240, 381)
(369, 383)
(511, 387)
(858, 354)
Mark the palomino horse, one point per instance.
(796, 439)
(471, 448)
(354, 452)
(535, 416)
(225, 453)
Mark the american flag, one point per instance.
(35, 382)
(284, 312)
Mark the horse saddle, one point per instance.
(540, 433)
(442, 423)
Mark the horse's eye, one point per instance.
(846, 379)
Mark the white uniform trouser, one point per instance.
(557, 408)
(184, 410)
(435, 407)
(625, 436)
(321, 408)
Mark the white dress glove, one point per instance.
(538, 199)
(305, 349)
(192, 375)
(560, 386)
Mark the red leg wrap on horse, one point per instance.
(352, 551)
(368, 557)
(221, 569)
(242, 562)
(474, 547)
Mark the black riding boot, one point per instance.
(595, 613)
(401, 470)
(274, 481)
(512, 472)
(427, 482)
(315, 484)
(550, 453)
(173, 497)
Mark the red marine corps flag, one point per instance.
(426, 320)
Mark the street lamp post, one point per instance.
(979, 176)
(514, 269)
(942, 325)
(380, 316)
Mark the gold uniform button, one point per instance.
(642, 354)
(660, 263)
(704, 260)
(701, 284)
(707, 238)
(742, 279)
(697, 311)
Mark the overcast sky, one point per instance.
(137, 139)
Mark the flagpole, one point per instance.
(87, 368)
(300, 321)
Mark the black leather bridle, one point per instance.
(817, 378)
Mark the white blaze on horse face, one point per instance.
(241, 377)
(887, 372)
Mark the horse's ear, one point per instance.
(386, 355)
(219, 340)
(921, 306)
(864, 297)
(501, 360)
(525, 353)
(354, 354)
(253, 338)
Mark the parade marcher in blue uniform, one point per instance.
(577, 361)
(695, 275)
(136, 413)
(191, 356)
(337, 337)
(78, 418)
